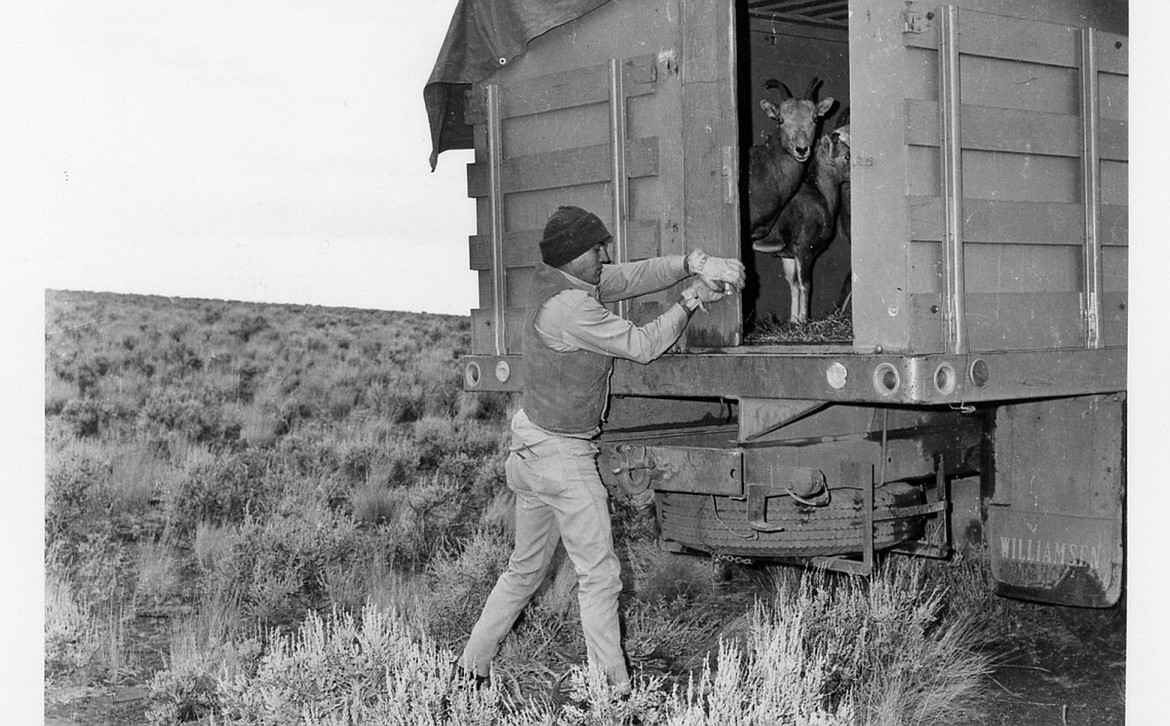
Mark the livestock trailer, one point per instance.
(978, 400)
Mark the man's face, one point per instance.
(587, 266)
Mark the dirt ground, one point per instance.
(1059, 666)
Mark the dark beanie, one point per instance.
(569, 233)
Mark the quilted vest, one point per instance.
(564, 392)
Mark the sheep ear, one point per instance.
(771, 110)
(825, 107)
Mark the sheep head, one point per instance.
(797, 119)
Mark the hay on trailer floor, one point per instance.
(836, 328)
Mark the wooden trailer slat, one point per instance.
(522, 249)
(998, 129)
(483, 332)
(1115, 316)
(1001, 267)
(571, 167)
(1002, 321)
(996, 222)
(1113, 100)
(1001, 36)
(569, 89)
(1114, 182)
(1112, 53)
(1010, 130)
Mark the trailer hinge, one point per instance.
(917, 22)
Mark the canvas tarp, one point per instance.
(485, 35)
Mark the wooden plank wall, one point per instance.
(1024, 227)
(555, 130)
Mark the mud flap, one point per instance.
(1055, 518)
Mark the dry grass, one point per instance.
(157, 570)
(835, 328)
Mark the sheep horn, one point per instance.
(813, 86)
(774, 84)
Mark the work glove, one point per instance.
(718, 273)
(699, 295)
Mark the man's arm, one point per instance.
(630, 279)
(625, 280)
(573, 320)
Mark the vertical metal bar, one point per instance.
(950, 140)
(496, 196)
(1090, 123)
(621, 179)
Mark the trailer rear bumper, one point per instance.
(846, 377)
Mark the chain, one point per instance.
(717, 557)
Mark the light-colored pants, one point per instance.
(559, 495)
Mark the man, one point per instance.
(570, 341)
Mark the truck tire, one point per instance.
(718, 525)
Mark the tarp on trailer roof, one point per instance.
(485, 35)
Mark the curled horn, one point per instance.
(773, 83)
(813, 86)
(843, 119)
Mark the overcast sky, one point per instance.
(258, 150)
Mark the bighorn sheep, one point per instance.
(845, 215)
(776, 167)
(808, 223)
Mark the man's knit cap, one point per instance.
(569, 233)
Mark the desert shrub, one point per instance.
(183, 413)
(346, 671)
(672, 634)
(432, 518)
(248, 377)
(772, 678)
(157, 574)
(58, 393)
(72, 634)
(438, 438)
(210, 543)
(248, 325)
(87, 416)
(460, 580)
(257, 425)
(76, 493)
(84, 614)
(394, 400)
(89, 372)
(179, 358)
(277, 567)
(492, 407)
(357, 458)
(137, 474)
(203, 650)
(374, 503)
(218, 490)
(887, 645)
